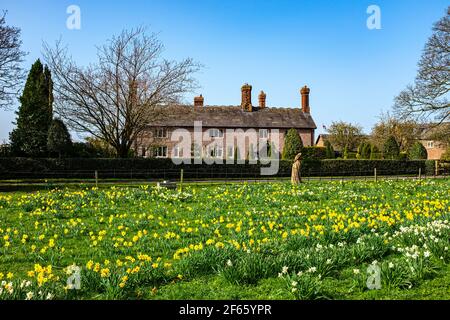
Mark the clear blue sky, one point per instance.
(277, 46)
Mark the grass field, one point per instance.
(234, 241)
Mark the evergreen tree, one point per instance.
(58, 140)
(292, 145)
(35, 113)
(329, 151)
(345, 152)
(391, 149)
(374, 152)
(364, 150)
(417, 152)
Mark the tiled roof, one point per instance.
(234, 117)
(431, 130)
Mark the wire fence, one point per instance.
(213, 174)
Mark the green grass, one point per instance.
(229, 241)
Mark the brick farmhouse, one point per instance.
(156, 140)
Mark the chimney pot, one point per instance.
(198, 101)
(246, 97)
(262, 100)
(305, 99)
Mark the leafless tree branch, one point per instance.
(11, 57)
(429, 96)
(119, 95)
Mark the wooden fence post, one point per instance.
(375, 174)
(96, 178)
(181, 180)
(436, 167)
(420, 173)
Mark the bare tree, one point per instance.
(343, 134)
(428, 97)
(405, 132)
(117, 97)
(11, 73)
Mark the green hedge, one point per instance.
(26, 168)
(366, 167)
(317, 153)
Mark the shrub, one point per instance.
(345, 153)
(391, 150)
(403, 156)
(58, 140)
(446, 155)
(317, 153)
(329, 151)
(375, 153)
(417, 152)
(364, 150)
(292, 145)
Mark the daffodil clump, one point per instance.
(125, 242)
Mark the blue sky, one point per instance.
(276, 46)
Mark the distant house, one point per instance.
(322, 138)
(5, 149)
(428, 138)
(320, 141)
(156, 140)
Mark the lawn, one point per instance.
(321, 240)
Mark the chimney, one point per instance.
(246, 100)
(198, 101)
(305, 99)
(262, 100)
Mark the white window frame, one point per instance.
(264, 133)
(430, 144)
(230, 152)
(161, 152)
(215, 133)
(177, 152)
(216, 152)
(162, 133)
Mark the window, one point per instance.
(161, 133)
(230, 152)
(263, 133)
(177, 152)
(216, 152)
(430, 144)
(196, 151)
(215, 133)
(161, 152)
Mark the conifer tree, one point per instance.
(292, 145)
(35, 114)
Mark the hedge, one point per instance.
(317, 153)
(26, 168)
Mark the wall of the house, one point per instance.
(147, 140)
(436, 151)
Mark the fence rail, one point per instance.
(202, 174)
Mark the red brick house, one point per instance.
(428, 138)
(215, 120)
